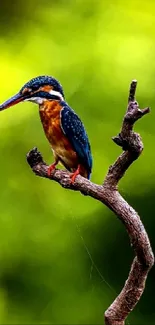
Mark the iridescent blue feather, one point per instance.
(74, 130)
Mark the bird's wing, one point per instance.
(74, 130)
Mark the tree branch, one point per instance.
(108, 194)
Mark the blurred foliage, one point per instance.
(64, 256)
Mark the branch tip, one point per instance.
(132, 90)
(146, 110)
(34, 157)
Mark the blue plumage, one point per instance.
(74, 130)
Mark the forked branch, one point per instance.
(108, 194)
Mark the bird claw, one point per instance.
(51, 168)
(73, 175)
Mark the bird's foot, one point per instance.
(73, 175)
(51, 168)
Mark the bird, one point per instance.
(62, 126)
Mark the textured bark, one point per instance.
(108, 194)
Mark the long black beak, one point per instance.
(12, 101)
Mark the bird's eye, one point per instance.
(26, 91)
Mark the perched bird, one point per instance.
(63, 128)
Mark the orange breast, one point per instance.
(50, 117)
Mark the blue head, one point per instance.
(37, 90)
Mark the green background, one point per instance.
(64, 257)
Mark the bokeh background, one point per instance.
(64, 257)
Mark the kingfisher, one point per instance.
(62, 126)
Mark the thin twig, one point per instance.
(108, 194)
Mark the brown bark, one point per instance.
(108, 194)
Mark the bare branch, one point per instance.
(108, 194)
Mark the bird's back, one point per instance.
(74, 130)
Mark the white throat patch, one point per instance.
(37, 100)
